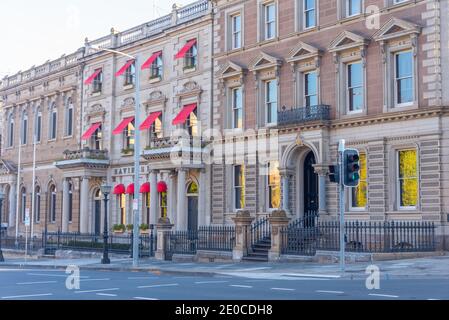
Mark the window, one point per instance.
(10, 131)
(37, 204)
(236, 30)
(69, 118)
(53, 123)
(70, 202)
(310, 89)
(309, 15)
(156, 129)
(271, 101)
(191, 57)
(407, 179)
(129, 136)
(359, 197)
(403, 77)
(163, 204)
(274, 185)
(97, 139)
(192, 123)
(157, 67)
(398, 1)
(237, 108)
(123, 209)
(130, 74)
(269, 11)
(23, 203)
(24, 132)
(147, 205)
(354, 87)
(353, 8)
(98, 83)
(38, 126)
(239, 187)
(52, 206)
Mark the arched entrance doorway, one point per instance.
(192, 206)
(310, 186)
(97, 212)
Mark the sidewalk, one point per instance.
(435, 267)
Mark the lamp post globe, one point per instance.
(106, 191)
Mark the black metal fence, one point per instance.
(300, 235)
(369, 237)
(260, 230)
(11, 243)
(216, 238)
(303, 114)
(119, 244)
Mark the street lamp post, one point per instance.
(136, 203)
(105, 190)
(2, 196)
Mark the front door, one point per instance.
(97, 216)
(310, 186)
(192, 223)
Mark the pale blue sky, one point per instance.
(32, 32)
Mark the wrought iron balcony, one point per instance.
(83, 158)
(303, 115)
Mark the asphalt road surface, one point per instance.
(50, 284)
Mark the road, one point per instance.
(50, 284)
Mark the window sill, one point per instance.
(189, 69)
(96, 94)
(393, 6)
(307, 30)
(155, 79)
(52, 140)
(128, 86)
(344, 20)
(234, 50)
(264, 42)
(67, 137)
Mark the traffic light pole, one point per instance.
(341, 188)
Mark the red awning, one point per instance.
(93, 76)
(162, 187)
(91, 131)
(150, 61)
(119, 189)
(145, 188)
(130, 189)
(124, 68)
(183, 51)
(122, 125)
(150, 120)
(184, 114)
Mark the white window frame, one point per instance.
(157, 67)
(234, 187)
(234, 32)
(347, 5)
(24, 129)
(10, 131)
(395, 80)
(397, 181)
(234, 107)
(68, 125)
(304, 14)
(125, 135)
(130, 75)
(347, 88)
(98, 83)
(268, 104)
(53, 124)
(305, 96)
(38, 127)
(267, 22)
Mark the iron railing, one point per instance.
(303, 114)
(10, 243)
(260, 230)
(181, 242)
(367, 237)
(300, 235)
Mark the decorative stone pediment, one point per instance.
(156, 98)
(264, 61)
(395, 28)
(95, 110)
(347, 40)
(229, 70)
(128, 102)
(190, 88)
(303, 51)
(7, 167)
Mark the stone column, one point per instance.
(163, 228)
(171, 197)
(65, 203)
(242, 222)
(285, 179)
(84, 212)
(12, 205)
(202, 199)
(153, 198)
(278, 221)
(322, 170)
(181, 217)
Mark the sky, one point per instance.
(33, 32)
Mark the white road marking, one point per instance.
(37, 282)
(143, 298)
(329, 291)
(159, 285)
(52, 275)
(142, 278)
(28, 296)
(98, 290)
(104, 279)
(383, 295)
(240, 286)
(283, 289)
(107, 294)
(205, 282)
(306, 275)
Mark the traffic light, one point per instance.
(351, 167)
(334, 174)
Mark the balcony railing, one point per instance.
(303, 115)
(86, 153)
(177, 148)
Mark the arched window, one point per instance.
(23, 203)
(10, 130)
(69, 118)
(70, 202)
(53, 123)
(52, 203)
(24, 132)
(38, 125)
(37, 204)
